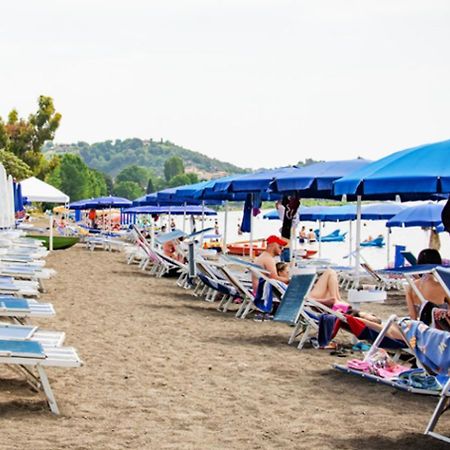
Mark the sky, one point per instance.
(257, 83)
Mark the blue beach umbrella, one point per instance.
(381, 211)
(315, 180)
(426, 215)
(415, 174)
(253, 182)
(173, 210)
(108, 202)
(79, 205)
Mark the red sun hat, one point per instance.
(271, 239)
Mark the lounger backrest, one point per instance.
(292, 302)
(242, 290)
(26, 349)
(443, 276)
(372, 272)
(409, 257)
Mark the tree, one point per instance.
(150, 186)
(172, 167)
(97, 184)
(14, 166)
(25, 137)
(182, 179)
(134, 173)
(72, 177)
(109, 183)
(128, 189)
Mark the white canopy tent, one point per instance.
(36, 190)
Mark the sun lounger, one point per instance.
(19, 309)
(27, 332)
(31, 358)
(431, 348)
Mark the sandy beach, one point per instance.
(166, 370)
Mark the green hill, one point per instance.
(111, 157)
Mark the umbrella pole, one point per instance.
(251, 229)
(203, 214)
(320, 238)
(358, 238)
(152, 233)
(350, 242)
(50, 239)
(225, 228)
(388, 245)
(184, 218)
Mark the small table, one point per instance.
(356, 297)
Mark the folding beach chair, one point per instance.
(30, 358)
(382, 282)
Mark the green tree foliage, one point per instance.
(308, 162)
(182, 179)
(97, 184)
(14, 165)
(25, 137)
(112, 156)
(109, 183)
(137, 174)
(172, 167)
(150, 186)
(128, 189)
(75, 179)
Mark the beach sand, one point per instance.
(166, 370)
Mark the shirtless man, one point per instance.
(267, 259)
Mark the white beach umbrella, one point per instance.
(11, 210)
(3, 198)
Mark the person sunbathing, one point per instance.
(430, 289)
(170, 250)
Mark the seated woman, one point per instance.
(430, 289)
(326, 291)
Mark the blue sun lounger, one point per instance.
(291, 309)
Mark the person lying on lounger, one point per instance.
(170, 250)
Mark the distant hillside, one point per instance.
(111, 157)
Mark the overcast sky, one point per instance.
(253, 82)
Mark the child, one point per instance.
(282, 269)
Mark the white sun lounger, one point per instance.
(19, 309)
(31, 333)
(31, 358)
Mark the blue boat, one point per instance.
(334, 236)
(377, 242)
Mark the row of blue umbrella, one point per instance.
(418, 173)
(396, 214)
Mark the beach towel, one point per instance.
(264, 296)
(291, 204)
(432, 347)
(246, 218)
(328, 327)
